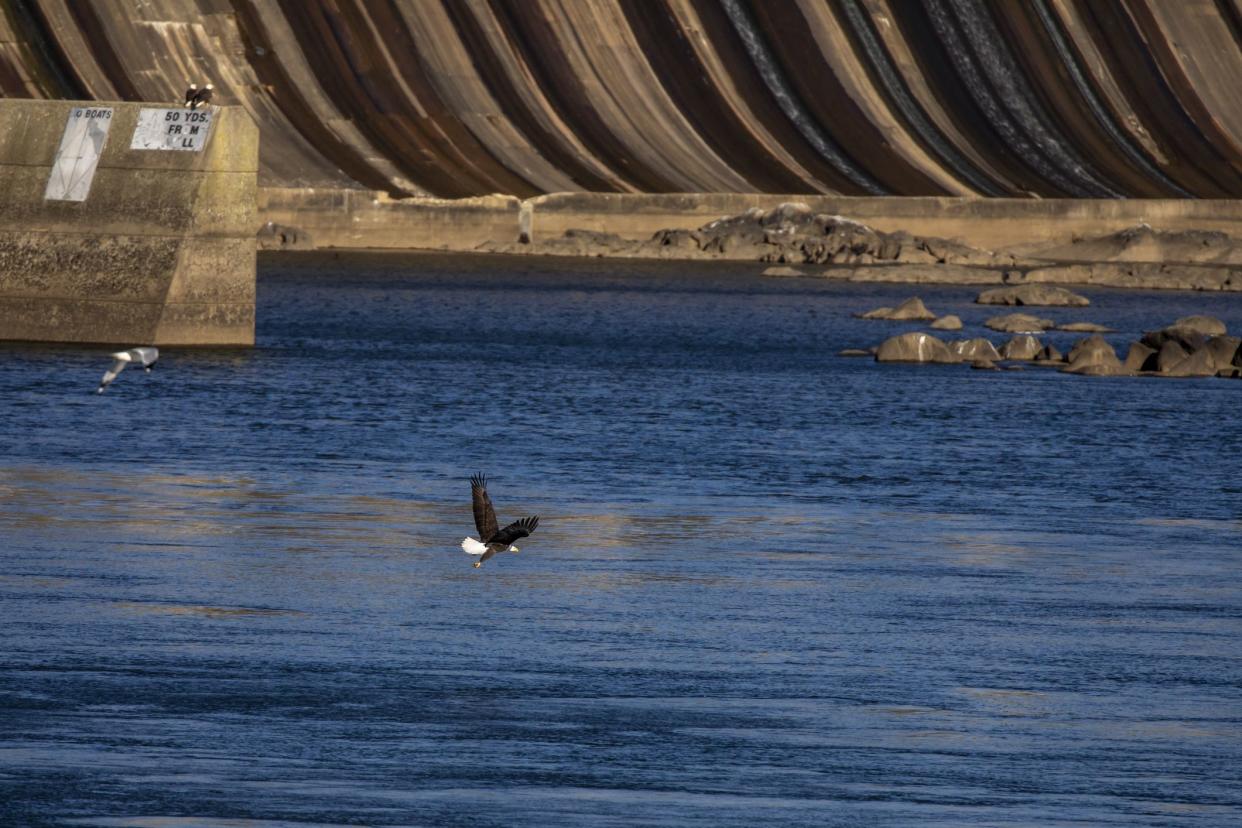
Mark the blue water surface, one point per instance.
(770, 586)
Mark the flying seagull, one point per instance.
(190, 93)
(146, 357)
(202, 97)
(491, 540)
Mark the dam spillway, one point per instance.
(459, 98)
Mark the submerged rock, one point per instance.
(911, 309)
(914, 347)
(1084, 327)
(946, 274)
(782, 270)
(1031, 294)
(1019, 323)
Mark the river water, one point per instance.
(771, 585)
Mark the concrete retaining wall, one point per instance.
(340, 218)
(362, 219)
(161, 250)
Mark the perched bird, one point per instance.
(146, 357)
(190, 93)
(492, 540)
(202, 97)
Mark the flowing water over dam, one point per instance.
(770, 585)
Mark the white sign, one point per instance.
(86, 131)
(172, 129)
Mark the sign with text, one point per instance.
(81, 144)
(172, 129)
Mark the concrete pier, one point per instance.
(127, 223)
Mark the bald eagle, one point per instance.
(492, 540)
(202, 97)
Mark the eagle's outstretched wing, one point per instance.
(517, 529)
(484, 514)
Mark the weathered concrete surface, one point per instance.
(161, 251)
(453, 98)
(343, 218)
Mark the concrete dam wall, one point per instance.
(127, 224)
(456, 98)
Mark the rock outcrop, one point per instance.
(1144, 244)
(1019, 323)
(1225, 350)
(975, 349)
(914, 347)
(1171, 353)
(1139, 358)
(935, 274)
(1023, 347)
(1049, 353)
(1206, 325)
(1199, 364)
(1093, 356)
(1179, 350)
(1189, 338)
(912, 309)
(1031, 294)
(1220, 353)
(1139, 276)
(1084, 327)
(783, 270)
(948, 322)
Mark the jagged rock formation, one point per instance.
(1076, 98)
